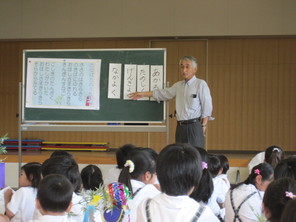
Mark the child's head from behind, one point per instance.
(140, 166)
(60, 153)
(63, 165)
(274, 155)
(224, 163)
(92, 177)
(122, 154)
(277, 195)
(286, 168)
(214, 165)
(30, 174)
(179, 169)
(289, 213)
(54, 194)
(204, 192)
(261, 176)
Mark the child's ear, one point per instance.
(147, 176)
(69, 207)
(38, 206)
(258, 181)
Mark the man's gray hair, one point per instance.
(189, 58)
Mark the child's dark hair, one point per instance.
(60, 153)
(274, 155)
(55, 193)
(263, 169)
(33, 173)
(122, 154)
(286, 168)
(179, 169)
(214, 165)
(92, 177)
(206, 188)
(224, 163)
(143, 161)
(276, 198)
(289, 213)
(63, 165)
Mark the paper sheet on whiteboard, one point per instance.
(63, 83)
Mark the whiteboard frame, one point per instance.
(165, 111)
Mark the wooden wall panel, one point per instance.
(252, 82)
(225, 82)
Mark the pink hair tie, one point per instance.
(257, 171)
(204, 165)
(290, 195)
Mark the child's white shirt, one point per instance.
(51, 218)
(218, 196)
(167, 208)
(22, 204)
(77, 208)
(144, 191)
(249, 209)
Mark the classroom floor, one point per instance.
(102, 157)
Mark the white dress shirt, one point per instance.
(193, 98)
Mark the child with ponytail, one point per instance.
(272, 155)
(139, 175)
(244, 201)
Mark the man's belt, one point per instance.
(186, 122)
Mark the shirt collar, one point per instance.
(190, 81)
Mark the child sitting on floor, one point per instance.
(20, 206)
(179, 169)
(54, 199)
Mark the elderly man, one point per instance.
(193, 103)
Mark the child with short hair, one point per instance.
(224, 183)
(54, 199)
(224, 169)
(276, 197)
(68, 167)
(244, 201)
(92, 177)
(20, 205)
(179, 169)
(216, 202)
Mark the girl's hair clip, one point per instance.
(257, 171)
(290, 195)
(204, 165)
(131, 166)
(275, 149)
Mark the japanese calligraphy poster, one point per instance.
(130, 80)
(156, 78)
(143, 79)
(63, 83)
(114, 83)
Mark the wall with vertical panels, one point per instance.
(27, 19)
(252, 81)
